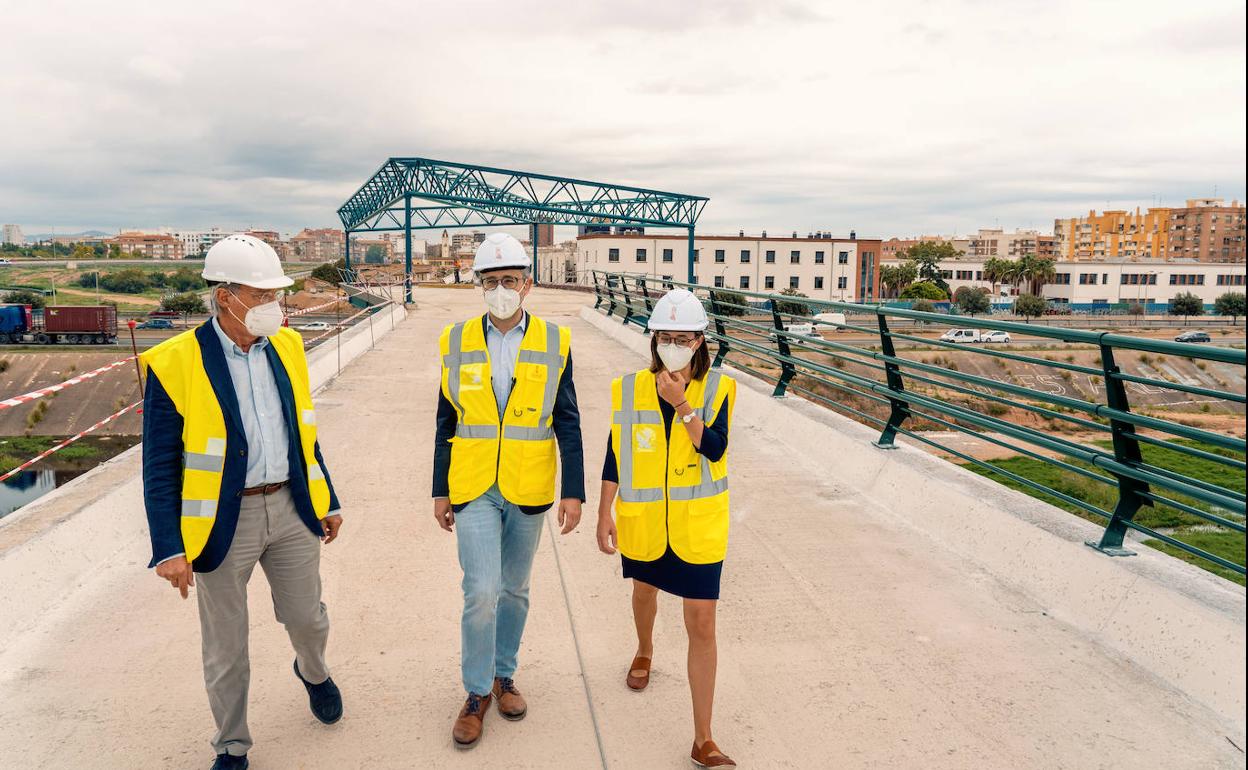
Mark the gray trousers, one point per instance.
(269, 532)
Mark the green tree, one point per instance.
(1136, 309)
(924, 306)
(730, 303)
(895, 278)
(88, 279)
(129, 280)
(927, 257)
(1030, 306)
(24, 297)
(328, 272)
(791, 308)
(1036, 272)
(972, 300)
(82, 251)
(185, 279)
(186, 303)
(925, 290)
(374, 255)
(1186, 304)
(1230, 303)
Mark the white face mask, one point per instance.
(674, 357)
(503, 302)
(263, 320)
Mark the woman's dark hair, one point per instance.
(698, 367)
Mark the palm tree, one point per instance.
(897, 277)
(1037, 272)
(996, 270)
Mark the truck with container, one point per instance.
(58, 325)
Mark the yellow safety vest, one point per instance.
(668, 492)
(178, 364)
(518, 450)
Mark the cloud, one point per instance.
(889, 118)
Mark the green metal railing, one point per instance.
(1136, 455)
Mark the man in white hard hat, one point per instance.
(233, 476)
(506, 400)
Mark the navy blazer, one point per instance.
(162, 459)
(566, 423)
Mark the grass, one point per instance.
(1182, 526)
(15, 450)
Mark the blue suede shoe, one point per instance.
(323, 698)
(230, 762)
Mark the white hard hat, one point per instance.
(246, 260)
(500, 250)
(678, 311)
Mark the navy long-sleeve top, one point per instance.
(566, 419)
(714, 441)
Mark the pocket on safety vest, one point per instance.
(708, 532)
(631, 534)
(536, 482)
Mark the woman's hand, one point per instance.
(671, 387)
(606, 534)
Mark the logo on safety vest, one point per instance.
(645, 440)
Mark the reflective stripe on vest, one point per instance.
(626, 418)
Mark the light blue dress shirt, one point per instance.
(260, 406)
(504, 350)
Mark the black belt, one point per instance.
(264, 489)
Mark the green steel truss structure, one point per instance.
(408, 194)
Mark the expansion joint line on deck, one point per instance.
(576, 642)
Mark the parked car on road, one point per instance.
(997, 336)
(5, 261)
(156, 323)
(961, 335)
(315, 326)
(1192, 337)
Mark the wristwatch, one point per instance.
(688, 418)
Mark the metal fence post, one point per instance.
(597, 291)
(629, 315)
(608, 279)
(899, 409)
(787, 369)
(1127, 452)
(717, 312)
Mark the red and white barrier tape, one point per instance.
(67, 442)
(314, 308)
(41, 392)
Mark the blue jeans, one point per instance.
(496, 545)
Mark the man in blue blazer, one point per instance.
(233, 476)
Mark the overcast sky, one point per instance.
(891, 118)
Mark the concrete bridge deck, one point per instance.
(847, 637)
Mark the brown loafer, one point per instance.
(638, 683)
(510, 702)
(709, 755)
(470, 723)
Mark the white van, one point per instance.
(961, 335)
(834, 320)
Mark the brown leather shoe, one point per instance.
(468, 726)
(510, 702)
(709, 755)
(634, 681)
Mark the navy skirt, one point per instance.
(675, 576)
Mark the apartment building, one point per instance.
(318, 245)
(13, 235)
(823, 266)
(149, 245)
(1204, 229)
(1207, 230)
(893, 247)
(1011, 245)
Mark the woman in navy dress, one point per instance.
(695, 406)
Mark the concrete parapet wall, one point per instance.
(1181, 624)
(57, 543)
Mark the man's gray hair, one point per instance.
(213, 309)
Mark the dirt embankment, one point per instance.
(74, 408)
